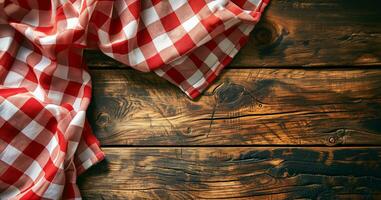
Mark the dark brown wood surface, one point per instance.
(296, 116)
(307, 33)
(244, 107)
(239, 173)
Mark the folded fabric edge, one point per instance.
(94, 145)
(205, 82)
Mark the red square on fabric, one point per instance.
(211, 23)
(143, 37)
(120, 47)
(175, 75)
(240, 3)
(30, 195)
(33, 149)
(211, 45)
(197, 5)
(184, 44)
(170, 22)
(115, 27)
(196, 60)
(99, 18)
(73, 88)
(50, 169)
(8, 132)
(32, 107)
(134, 9)
(155, 61)
(5, 60)
(11, 175)
(31, 76)
(45, 80)
(11, 92)
(51, 125)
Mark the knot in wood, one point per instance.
(229, 92)
(337, 137)
(332, 140)
(267, 33)
(103, 119)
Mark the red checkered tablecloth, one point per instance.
(45, 87)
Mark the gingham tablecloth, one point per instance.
(45, 87)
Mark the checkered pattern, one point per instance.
(45, 88)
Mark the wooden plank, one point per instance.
(242, 173)
(307, 33)
(244, 107)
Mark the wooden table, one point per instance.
(297, 115)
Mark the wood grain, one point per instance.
(306, 33)
(210, 148)
(241, 173)
(244, 107)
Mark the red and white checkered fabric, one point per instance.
(45, 88)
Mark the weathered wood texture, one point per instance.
(244, 107)
(248, 106)
(242, 173)
(307, 33)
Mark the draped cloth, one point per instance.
(45, 86)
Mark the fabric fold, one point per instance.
(45, 86)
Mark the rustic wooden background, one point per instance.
(297, 115)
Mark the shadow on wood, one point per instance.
(260, 173)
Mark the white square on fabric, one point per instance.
(77, 104)
(149, 16)
(48, 40)
(136, 56)
(191, 23)
(175, 4)
(7, 110)
(55, 96)
(216, 5)
(226, 45)
(5, 43)
(195, 78)
(39, 93)
(162, 42)
(211, 60)
(23, 54)
(9, 155)
(61, 71)
(86, 77)
(32, 130)
(255, 2)
(33, 170)
(85, 155)
(72, 23)
(43, 64)
(13, 79)
(87, 164)
(131, 29)
(71, 148)
(29, 33)
(103, 37)
(53, 144)
(53, 191)
(79, 119)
